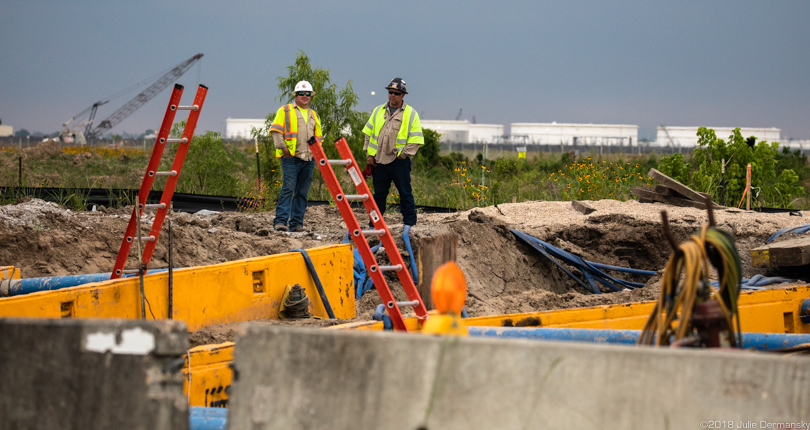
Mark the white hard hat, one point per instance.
(303, 86)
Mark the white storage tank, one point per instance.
(567, 134)
(240, 128)
(450, 131)
(486, 133)
(687, 136)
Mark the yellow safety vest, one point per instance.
(409, 132)
(286, 123)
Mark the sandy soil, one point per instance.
(44, 239)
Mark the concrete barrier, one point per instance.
(316, 379)
(92, 374)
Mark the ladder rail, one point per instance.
(146, 184)
(177, 166)
(387, 239)
(355, 231)
(151, 173)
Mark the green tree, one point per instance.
(676, 167)
(333, 104)
(428, 154)
(208, 167)
(713, 153)
(335, 109)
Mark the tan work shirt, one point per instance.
(305, 131)
(387, 141)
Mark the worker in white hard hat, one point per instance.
(393, 135)
(292, 127)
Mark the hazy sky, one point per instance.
(683, 63)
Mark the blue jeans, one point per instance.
(296, 177)
(398, 171)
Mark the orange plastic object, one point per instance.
(449, 288)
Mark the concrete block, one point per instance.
(299, 378)
(92, 374)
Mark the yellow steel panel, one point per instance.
(206, 295)
(9, 272)
(208, 375)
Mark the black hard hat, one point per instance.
(397, 84)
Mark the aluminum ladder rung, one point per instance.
(171, 173)
(193, 107)
(181, 140)
(155, 206)
(395, 267)
(353, 197)
(340, 162)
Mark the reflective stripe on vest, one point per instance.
(290, 130)
(404, 133)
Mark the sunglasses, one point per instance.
(303, 94)
(396, 93)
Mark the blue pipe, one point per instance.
(32, 285)
(201, 418)
(317, 280)
(379, 315)
(407, 240)
(757, 341)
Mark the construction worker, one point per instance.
(292, 127)
(393, 135)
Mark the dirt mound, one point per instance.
(45, 149)
(504, 274)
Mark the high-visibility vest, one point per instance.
(286, 123)
(409, 132)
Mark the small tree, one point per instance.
(735, 154)
(334, 105)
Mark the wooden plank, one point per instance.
(791, 252)
(675, 201)
(432, 252)
(581, 207)
(677, 186)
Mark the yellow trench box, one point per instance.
(229, 292)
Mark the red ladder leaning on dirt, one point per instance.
(358, 235)
(151, 173)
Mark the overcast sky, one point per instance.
(683, 63)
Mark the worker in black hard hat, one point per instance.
(393, 135)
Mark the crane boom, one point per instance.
(140, 99)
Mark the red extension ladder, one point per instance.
(149, 178)
(358, 235)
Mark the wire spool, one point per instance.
(685, 287)
(297, 304)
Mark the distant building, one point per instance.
(574, 134)
(686, 137)
(464, 132)
(240, 128)
(6, 130)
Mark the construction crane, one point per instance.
(458, 117)
(124, 111)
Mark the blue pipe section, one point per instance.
(33, 285)
(798, 230)
(757, 341)
(380, 315)
(406, 238)
(317, 280)
(758, 282)
(201, 418)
